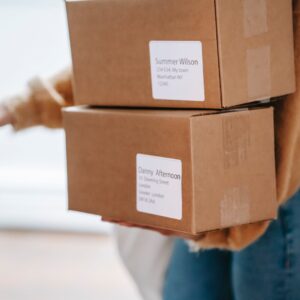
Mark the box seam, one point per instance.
(193, 205)
(218, 53)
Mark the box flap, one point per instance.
(139, 111)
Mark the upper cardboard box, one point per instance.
(185, 54)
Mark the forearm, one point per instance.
(42, 102)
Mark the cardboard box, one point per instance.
(186, 171)
(201, 54)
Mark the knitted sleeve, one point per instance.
(42, 102)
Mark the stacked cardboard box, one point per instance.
(145, 151)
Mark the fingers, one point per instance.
(5, 116)
(164, 232)
(122, 223)
(119, 222)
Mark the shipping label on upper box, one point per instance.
(177, 70)
(159, 186)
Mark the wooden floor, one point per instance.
(48, 266)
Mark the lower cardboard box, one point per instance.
(188, 171)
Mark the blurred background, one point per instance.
(45, 251)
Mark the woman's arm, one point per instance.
(5, 116)
(40, 104)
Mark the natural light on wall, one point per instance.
(32, 163)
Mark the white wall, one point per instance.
(34, 41)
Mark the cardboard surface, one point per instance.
(223, 164)
(247, 51)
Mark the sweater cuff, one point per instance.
(39, 105)
(23, 111)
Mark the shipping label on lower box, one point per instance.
(159, 186)
(177, 70)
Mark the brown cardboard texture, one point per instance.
(181, 54)
(185, 171)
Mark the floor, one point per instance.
(51, 266)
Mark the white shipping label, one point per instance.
(159, 186)
(177, 70)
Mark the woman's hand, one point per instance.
(5, 116)
(161, 231)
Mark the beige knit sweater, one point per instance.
(42, 103)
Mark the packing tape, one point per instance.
(235, 204)
(255, 17)
(258, 60)
(236, 139)
(235, 207)
(259, 72)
